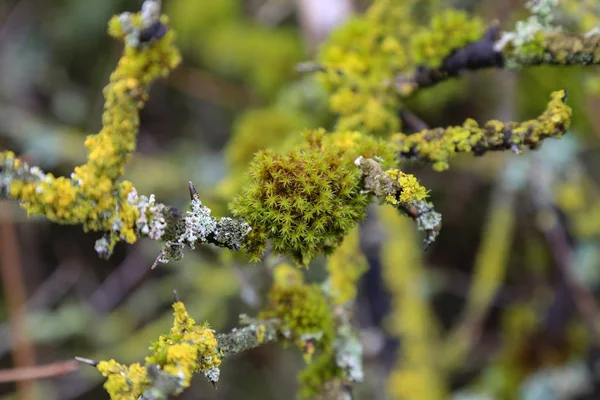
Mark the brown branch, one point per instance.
(16, 296)
(38, 372)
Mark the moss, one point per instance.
(302, 310)
(355, 144)
(305, 201)
(317, 375)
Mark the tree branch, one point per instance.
(535, 41)
(437, 145)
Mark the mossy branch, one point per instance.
(436, 146)
(535, 41)
(298, 313)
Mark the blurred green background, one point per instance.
(238, 82)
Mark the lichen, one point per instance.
(124, 382)
(188, 348)
(449, 30)
(93, 196)
(436, 146)
(357, 60)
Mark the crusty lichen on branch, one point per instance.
(92, 196)
(188, 348)
(436, 146)
(403, 192)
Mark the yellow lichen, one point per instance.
(93, 196)
(438, 145)
(411, 189)
(188, 348)
(124, 382)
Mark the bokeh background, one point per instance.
(238, 84)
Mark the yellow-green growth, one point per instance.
(92, 196)
(305, 201)
(225, 40)
(318, 375)
(449, 30)
(302, 309)
(579, 198)
(417, 374)
(345, 267)
(356, 144)
(394, 186)
(411, 188)
(187, 349)
(360, 60)
(436, 146)
(584, 13)
(124, 382)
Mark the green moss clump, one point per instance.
(315, 376)
(448, 31)
(305, 201)
(302, 310)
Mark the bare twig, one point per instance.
(15, 291)
(38, 371)
(87, 361)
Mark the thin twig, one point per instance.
(38, 371)
(15, 292)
